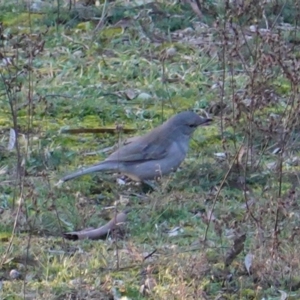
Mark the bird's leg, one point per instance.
(148, 186)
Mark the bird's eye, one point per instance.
(192, 125)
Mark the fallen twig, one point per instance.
(98, 233)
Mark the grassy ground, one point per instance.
(225, 225)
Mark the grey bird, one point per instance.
(154, 154)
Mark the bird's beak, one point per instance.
(205, 121)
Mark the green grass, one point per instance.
(86, 79)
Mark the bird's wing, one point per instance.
(141, 149)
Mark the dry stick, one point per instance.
(249, 142)
(15, 125)
(250, 74)
(14, 228)
(149, 255)
(275, 236)
(115, 221)
(219, 190)
(244, 188)
(246, 42)
(164, 82)
(99, 27)
(28, 145)
(223, 80)
(97, 233)
(287, 106)
(289, 117)
(57, 216)
(278, 15)
(19, 179)
(232, 95)
(101, 21)
(285, 135)
(97, 130)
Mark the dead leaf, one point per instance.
(148, 286)
(12, 139)
(175, 231)
(284, 295)
(130, 94)
(248, 261)
(240, 155)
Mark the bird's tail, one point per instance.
(103, 166)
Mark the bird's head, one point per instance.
(187, 122)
